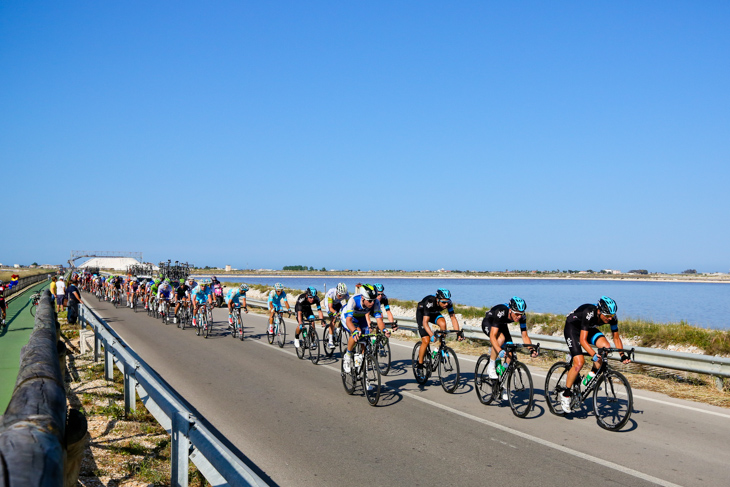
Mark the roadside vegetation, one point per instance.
(5, 275)
(130, 450)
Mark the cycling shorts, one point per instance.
(572, 339)
(360, 323)
(431, 319)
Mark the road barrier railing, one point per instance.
(717, 367)
(191, 440)
(23, 283)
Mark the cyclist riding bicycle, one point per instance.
(182, 293)
(430, 310)
(276, 296)
(581, 332)
(164, 293)
(200, 296)
(303, 309)
(335, 299)
(132, 291)
(354, 318)
(383, 299)
(232, 299)
(495, 326)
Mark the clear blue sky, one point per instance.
(368, 135)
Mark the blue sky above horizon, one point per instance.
(368, 135)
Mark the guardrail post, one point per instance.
(96, 345)
(108, 362)
(719, 383)
(130, 384)
(180, 448)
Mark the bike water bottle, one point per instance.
(435, 354)
(500, 367)
(588, 378)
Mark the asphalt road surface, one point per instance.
(293, 420)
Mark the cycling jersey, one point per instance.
(429, 306)
(357, 311)
(276, 299)
(200, 295)
(334, 304)
(164, 290)
(584, 317)
(384, 302)
(234, 294)
(305, 306)
(182, 291)
(498, 317)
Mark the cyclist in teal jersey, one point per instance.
(276, 296)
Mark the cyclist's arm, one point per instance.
(348, 324)
(619, 344)
(454, 323)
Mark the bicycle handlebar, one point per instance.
(604, 352)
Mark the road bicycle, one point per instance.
(336, 336)
(184, 315)
(363, 369)
(309, 343)
(116, 298)
(443, 359)
(34, 299)
(612, 397)
(279, 329)
(237, 326)
(382, 348)
(514, 379)
(152, 306)
(164, 312)
(201, 321)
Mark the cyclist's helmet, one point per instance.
(517, 304)
(182, 281)
(311, 292)
(607, 306)
(167, 280)
(278, 286)
(342, 289)
(243, 288)
(368, 292)
(157, 281)
(379, 287)
(443, 293)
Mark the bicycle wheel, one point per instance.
(234, 327)
(449, 371)
(32, 309)
(326, 337)
(303, 345)
(314, 346)
(269, 334)
(555, 385)
(612, 401)
(240, 325)
(371, 379)
(483, 385)
(520, 390)
(182, 321)
(206, 326)
(421, 378)
(199, 323)
(382, 355)
(348, 379)
(343, 336)
(281, 333)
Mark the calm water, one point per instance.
(702, 304)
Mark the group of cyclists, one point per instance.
(357, 314)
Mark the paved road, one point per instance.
(295, 422)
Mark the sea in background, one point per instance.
(697, 303)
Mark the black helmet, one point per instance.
(311, 292)
(367, 291)
(517, 304)
(443, 293)
(607, 306)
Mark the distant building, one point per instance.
(228, 269)
(115, 263)
(611, 271)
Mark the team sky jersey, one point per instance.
(356, 310)
(498, 317)
(182, 291)
(334, 304)
(430, 307)
(383, 299)
(586, 317)
(200, 294)
(305, 307)
(234, 294)
(276, 299)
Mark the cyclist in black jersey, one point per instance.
(379, 288)
(495, 326)
(581, 332)
(430, 310)
(181, 294)
(303, 309)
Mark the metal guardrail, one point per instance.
(191, 440)
(718, 367)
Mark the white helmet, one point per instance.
(342, 289)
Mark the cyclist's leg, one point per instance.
(272, 310)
